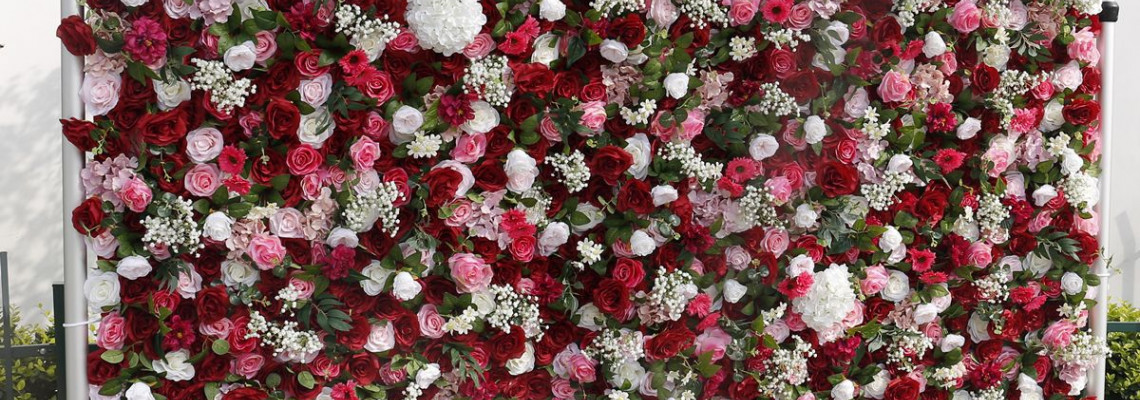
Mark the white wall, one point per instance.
(30, 211)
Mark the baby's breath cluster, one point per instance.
(364, 209)
(667, 301)
(286, 341)
(489, 78)
(705, 12)
(692, 164)
(573, 168)
(173, 226)
(881, 195)
(616, 347)
(225, 92)
(513, 309)
(757, 207)
(776, 102)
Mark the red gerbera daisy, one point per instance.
(776, 11)
(949, 159)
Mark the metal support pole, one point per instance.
(9, 331)
(1099, 314)
(74, 253)
(60, 339)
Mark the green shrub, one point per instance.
(1122, 372)
(34, 377)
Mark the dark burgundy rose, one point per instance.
(610, 162)
(99, 371)
(163, 128)
(802, 85)
(985, 78)
(1081, 112)
(611, 296)
(267, 167)
(213, 303)
(407, 329)
(837, 179)
(282, 117)
(534, 78)
(357, 337)
(629, 30)
(76, 36)
(245, 393)
(902, 389)
(634, 196)
(669, 342)
(364, 367)
(507, 346)
(442, 184)
(887, 32)
(87, 218)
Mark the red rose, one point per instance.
(357, 337)
(308, 64)
(212, 304)
(782, 62)
(87, 218)
(163, 128)
(837, 179)
(78, 132)
(267, 167)
(507, 346)
(407, 329)
(282, 117)
(629, 272)
(802, 85)
(378, 85)
(669, 342)
(887, 32)
(77, 37)
(245, 393)
(490, 176)
(610, 162)
(985, 78)
(634, 196)
(533, 78)
(99, 371)
(567, 84)
(364, 367)
(611, 296)
(304, 160)
(629, 30)
(902, 389)
(522, 248)
(141, 326)
(442, 184)
(1081, 112)
(593, 91)
(1091, 82)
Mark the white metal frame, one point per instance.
(1099, 315)
(74, 251)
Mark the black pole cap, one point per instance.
(1109, 11)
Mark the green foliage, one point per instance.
(1122, 374)
(34, 377)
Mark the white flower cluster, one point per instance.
(991, 214)
(828, 301)
(787, 368)
(667, 301)
(489, 78)
(994, 287)
(225, 91)
(1057, 145)
(370, 34)
(642, 114)
(445, 26)
(1090, 7)
(611, 8)
(704, 12)
(174, 227)
(691, 163)
(948, 377)
(881, 195)
(994, 393)
(757, 207)
(617, 347)
(424, 145)
(536, 212)
(423, 379)
(288, 343)
(909, 344)
(1013, 83)
(573, 168)
(908, 9)
(589, 251)
(786, 37)
(742, 48)
(1081, 190)
(874, 129)
(377, 205)
(777, 102)
(1083, 351)
(516, 309)
(290, 298)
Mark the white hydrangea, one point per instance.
(828, 301)
(445, 26)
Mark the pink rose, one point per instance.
(966, 17)
(461, 212)
(266, 46)
(775, 241)
(136, 194)
(979, 254)
(663, 12)
(594, 115)
(431, 323)
(469, 272)
(875, 281)
(562, 389)
(266, 251)
(287, 223)
(693, 125)
(374, 125)
(305, 289)
(364, 153)
(405, 41)
(549, 130)
(1083, 47)
(780, 187)
(713, 340)
(582, 368)
(469, 148)
(481, 46)
(204, 144)
(112, 331)
(219, 329)
(311, 187)
(203, 179)
(742, 11)
(895, 86)
(316, 91)
(800, 16)
(1058, 335)
(247, 364)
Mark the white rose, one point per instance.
(969, 128)
(638, 147)
(978, 328)
(135, 3)
(814, 129)
(427, 375)
(641, 243)
(590, 317)
(316, 127)
(133, 267)
(521, 170)
(101, 289)
(204, 144)
(189, 283)
(663, 194)
(287, 223)
(1038, 265)
(405, 287)
(897, 287)
(1072, 283)
(1068, 76)
(890, 240)
(556, 234)
(139, 391)
(104, 245)
(551, 10)
(1071, 162)
(664, 13)
(676, 85)
(242, 56)
(877, 386)
(637, 57)
(843, 391)
(805, 216)
(996, 55)
(316, 91)
(762, 146)
(934, 46)
(523, 363)
(372, 43)
(377, 276)
(237, 273)
(593, 213)
(1028, 387)
(100, 93)
(484, 118)
(342, 236)
(801, 264)
(176, 365)
(382, 338)
(1053, 116)
(171, 94)
(951, 341)
(407, 120)
(628, 375)
(614, 51)
(1043, 194)
(218, 226)
(484, 302)
(545, 48)
(900, 163)
(925, 313)
(734, 291)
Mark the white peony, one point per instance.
(1052, 118)
(445, 26)
(590, 317)
(677, 85)
(814, 129)
(236, 273)
(405, 287)
(627, 375)
(551, 10)
(638, 147)
(734, 291)
(523, 363)
(381, 339)
(829, 300)
(641, 243)
(521, 171)
(242, 56)
(762, 146)
(484, 119)
(171, 94)
(843, 391)
(1068, 76)
(101, 289)
(925, 313)
(978, 328)
(176, 365)
(377, 276)
(594, 214)
(1028, 387)
(342, 237)
(139, 391)
(897, 287)
(133, 267)
(316, 127)
(663, 194)
(613, 50)
(890, 240)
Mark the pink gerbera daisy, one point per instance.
(776, 11)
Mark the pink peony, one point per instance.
(145, 41)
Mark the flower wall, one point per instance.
(613, 199)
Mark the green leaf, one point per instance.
(220, 347)
(306, 379)
(112, 356)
